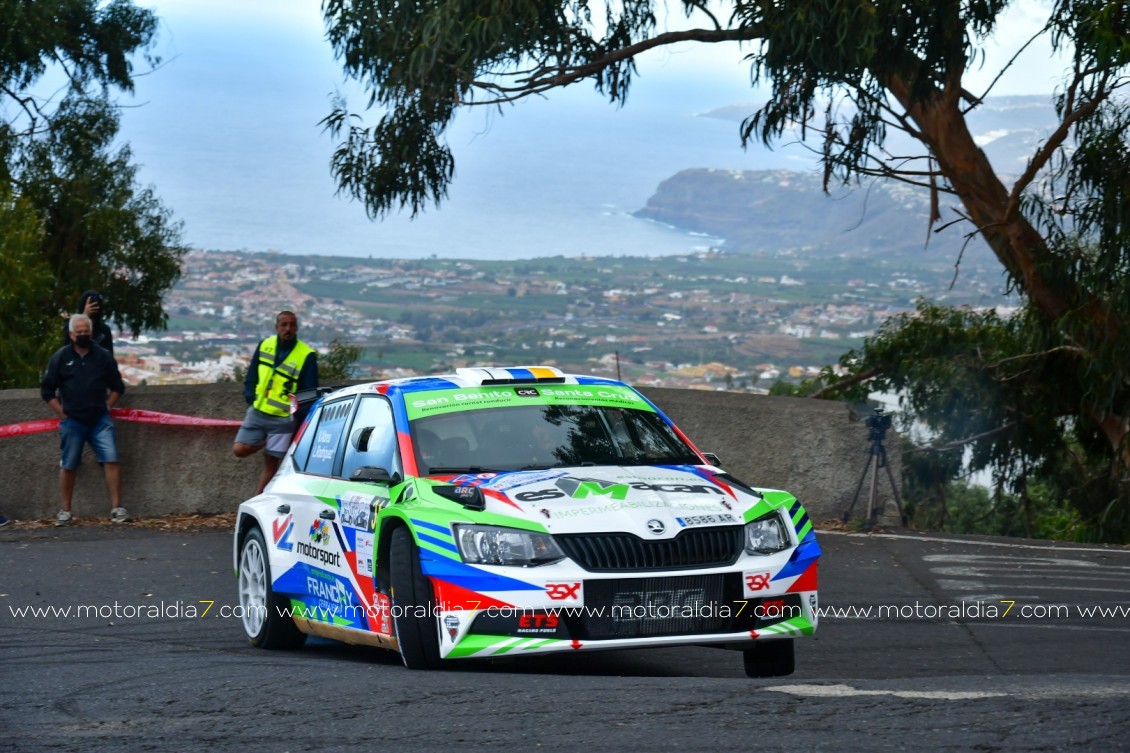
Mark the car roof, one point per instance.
(481, 376)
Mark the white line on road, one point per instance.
(843, 691)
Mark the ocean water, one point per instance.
(227, 133)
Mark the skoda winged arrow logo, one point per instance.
(656, 526)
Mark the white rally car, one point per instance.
(517, 511)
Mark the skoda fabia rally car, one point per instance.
(502, 512)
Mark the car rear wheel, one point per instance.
(265, 625)
(769, 659)
(413, 604)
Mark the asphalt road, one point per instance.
(1019, 665)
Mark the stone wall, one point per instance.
(811, 448)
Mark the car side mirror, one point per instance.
(713, 459)
(375, 475)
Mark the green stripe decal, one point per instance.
(497, 644)
(435, 402)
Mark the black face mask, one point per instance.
(83, 341)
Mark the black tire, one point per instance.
(266, 625)
(413, 604)
(769, 659)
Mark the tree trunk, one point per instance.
(1016, 243)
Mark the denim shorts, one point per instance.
(73, 435)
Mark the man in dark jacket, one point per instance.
(91, 304)
(82, 384)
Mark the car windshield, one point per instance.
(545, 436)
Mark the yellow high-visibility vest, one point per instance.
(277, 383)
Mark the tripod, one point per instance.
(877, 458)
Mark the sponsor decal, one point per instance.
(755, 582)
(537, 622)
(364, 549)
(432, 402)
(331, 592)
(319, 534)
(320, 531)
(359, 510)
(579, 488)
(656, 526)
(281, 528)
(506, 481)
(451, 622)
(582, 488)
(382, 604)
(562, 591)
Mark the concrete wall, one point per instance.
(808, 447)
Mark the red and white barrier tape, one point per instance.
(123, 414)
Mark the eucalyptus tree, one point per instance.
(61, 62)
(845, 76)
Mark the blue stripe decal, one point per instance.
(437, 542)
(341, 539)
(471, 578)
(424, 384)
(431, 526)
(599, 381)
(800, 523)
(803, 556)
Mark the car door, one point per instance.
(371, 442)
(321, 576)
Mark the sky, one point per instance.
(246, 78)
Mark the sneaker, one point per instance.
(63, 518)
(4, 521)
(119, 515)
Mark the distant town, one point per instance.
(708, 320)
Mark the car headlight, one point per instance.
(766, 535)
(491, 545)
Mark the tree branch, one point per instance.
(1052, 145)
(962, 442)
(547, 78)
(862, 376)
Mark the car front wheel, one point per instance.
(413, 604)
(262, 610)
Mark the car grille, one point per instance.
(613, 552)
(649, 607)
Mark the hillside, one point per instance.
(772, 211)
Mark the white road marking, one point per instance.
(845, 691)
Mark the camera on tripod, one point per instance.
(877, 425)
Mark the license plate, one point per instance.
(644, 606)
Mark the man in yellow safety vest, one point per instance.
(281, 366)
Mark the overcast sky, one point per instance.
(227, 128)
(253, 20)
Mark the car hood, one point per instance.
(653, 502)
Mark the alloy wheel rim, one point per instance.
(253, 588)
